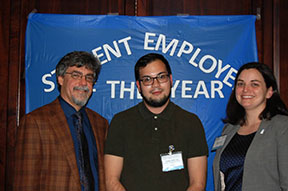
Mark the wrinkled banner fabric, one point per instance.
(204, 52)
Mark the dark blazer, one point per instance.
(266, 161)
(45, 155)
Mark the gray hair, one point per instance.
(78, 59)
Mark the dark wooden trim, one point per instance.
(276, 42)
(130, 7)
(267, 30)
(144, 8)
(15, 105)
(283, 49)
(4, 73)
(121, 7)
(257, 9)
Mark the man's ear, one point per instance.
(171, 80)
(60, 80)
(138, 86)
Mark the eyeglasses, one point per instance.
(78, 75)
(148, 80)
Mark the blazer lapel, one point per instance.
(62, 131)
(230, 135)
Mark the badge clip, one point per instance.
(171, 149)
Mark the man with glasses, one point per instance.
(155, 145)
(60, 146)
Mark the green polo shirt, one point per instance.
(140, 136)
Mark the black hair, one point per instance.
(235, 113)
(148, 58)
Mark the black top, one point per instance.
(232, 161)
(140, 136)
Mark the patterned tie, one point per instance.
(86, 177)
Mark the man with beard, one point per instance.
(60, 146)
(155, 145)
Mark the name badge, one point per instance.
(219, 142)
(172, 160)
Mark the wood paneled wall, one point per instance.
(280, 46)
(271, 32)
(4, 50)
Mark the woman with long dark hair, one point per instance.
(254, 153)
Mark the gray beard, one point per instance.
(80, 103)
(83, 102)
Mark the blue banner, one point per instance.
(204, 53)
